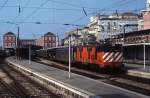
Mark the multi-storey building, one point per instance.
(76, 40)
(147, 16)
(9, 40)
(106, 26)
(47, 41)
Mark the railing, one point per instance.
(133, 39)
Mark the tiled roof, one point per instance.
(49, 33)
(9, 33)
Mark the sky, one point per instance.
(38, 17)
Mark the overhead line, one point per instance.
(33, 12)
(3, 5)
(36, 10)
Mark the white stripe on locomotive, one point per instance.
(106, 54)
(108, 57)
(120, 56)
(114, 57)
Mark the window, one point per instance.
(45, 44)
(49, 38)
(49, 45)
(13, 44)
(114, 23)
(9, 44)
(54, 38)
(5, 37)
(46, 38)
(102, 28)
(9, 37)
(108, 27)
(53, 45)
(6, 44)
(14, 38)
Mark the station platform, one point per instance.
(138, 70)
(86, 87)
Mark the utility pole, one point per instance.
(69, 57)
(77, 36)
(29, 54)
(17, 44)
(18, 33)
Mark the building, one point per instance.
(9, 40)
(141, 24)
(79, 36)
(76, 40)
(147, 16)
(25, 42)
(47, 41)
(147, 20)
(106, 26)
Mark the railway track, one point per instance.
(15, 85)
(139, 85)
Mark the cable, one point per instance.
(62, 2)
(3, 5)
(27, 3)
(34, 11)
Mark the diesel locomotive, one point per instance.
(102, 56)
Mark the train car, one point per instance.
(102, 57)
(60, 54)
(2, 54)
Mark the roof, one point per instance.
(129, 14)
(9, 33)
(27, 39)
(135, 33)
(141, 32)
(49, 33)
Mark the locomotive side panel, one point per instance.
(85, 56)
(78, 54)
(92, 55)
(112, 57)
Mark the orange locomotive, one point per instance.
(103, 56)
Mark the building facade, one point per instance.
(9, 40)
(147, 20)
(47, 41)
(77, 40)
(106, 26)
(25, 42)
(147, 16)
